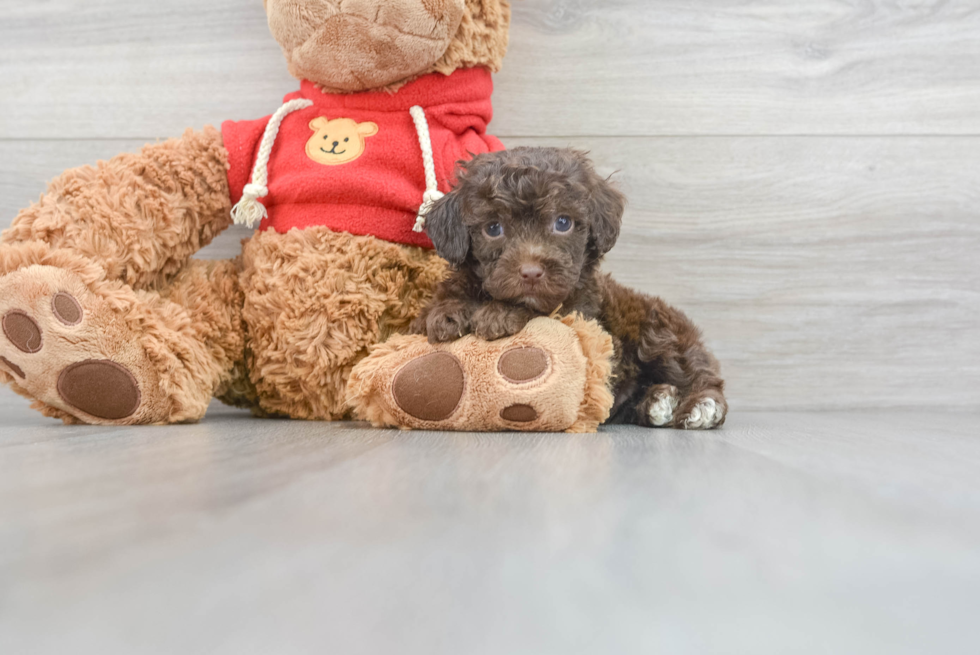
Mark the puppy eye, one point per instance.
(494, 230)
(563, 224)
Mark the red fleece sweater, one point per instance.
(365, 174)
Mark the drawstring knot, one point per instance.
(429, 198)
(249, 211)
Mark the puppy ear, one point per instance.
(607, 205)
(444, 225)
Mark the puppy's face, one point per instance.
(527, 221)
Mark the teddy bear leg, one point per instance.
(92, 350)
(551, 376)
(210, 293)
(138, 216)
(315, 301)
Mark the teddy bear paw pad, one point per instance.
(523, 364)
(519, 413)
(66, 309)
(22, 331)
(100, 388)
(430, 387)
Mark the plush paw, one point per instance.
(63, 346)
(704, 415)
(551, 376)
(431, 387)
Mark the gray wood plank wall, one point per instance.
(804, 177)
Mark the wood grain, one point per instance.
(826, 272)
(804, 533)
(726, 67)
(108, 68)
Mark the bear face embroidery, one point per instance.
(338, 141)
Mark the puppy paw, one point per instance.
(659, 407)
(495, 321)
(707, 413)
(447, 324)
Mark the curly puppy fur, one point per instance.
(525, 231)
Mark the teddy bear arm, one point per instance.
(139, 216)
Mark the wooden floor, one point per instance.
(781, 533)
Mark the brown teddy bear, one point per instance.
(107, 319)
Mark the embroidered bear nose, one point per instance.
(336, 143)
(531, 272)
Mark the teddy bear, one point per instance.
(107, 318)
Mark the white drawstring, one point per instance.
(249, 210)
(432, 192)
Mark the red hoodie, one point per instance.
(353, 163)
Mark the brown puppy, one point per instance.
(524, 231)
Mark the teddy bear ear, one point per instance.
(319, 123)
(367, 129)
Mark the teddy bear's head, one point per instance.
(345, 46)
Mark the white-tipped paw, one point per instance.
(705, 415)
(662, 410)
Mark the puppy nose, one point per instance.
(531, 272)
